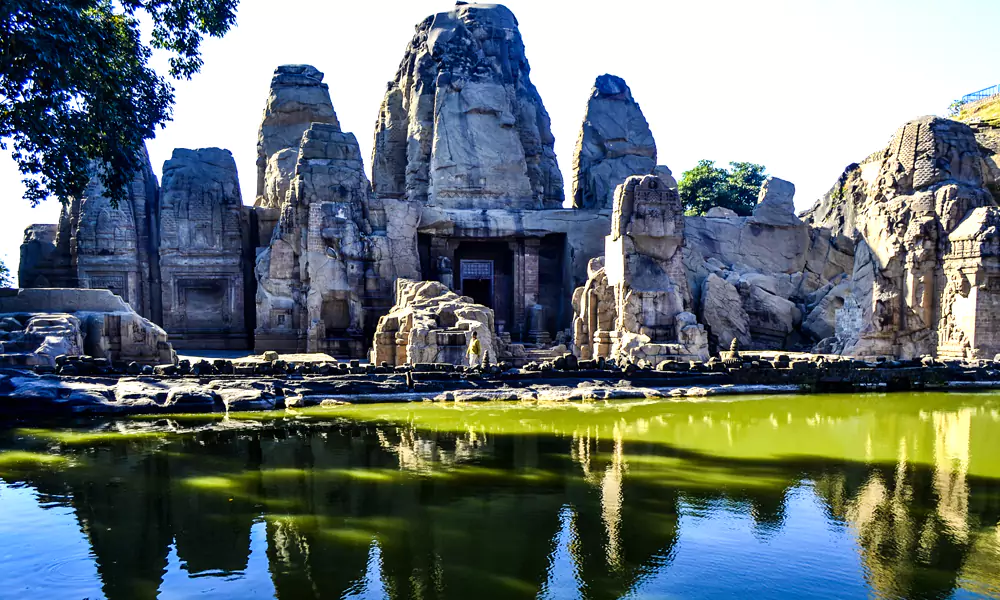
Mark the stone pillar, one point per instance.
(529, 290)
(531, 246)
(520, 321)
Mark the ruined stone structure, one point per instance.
(921, 215)
(298, 98)
(898, 259)
(111, 247)
(463, 143)
(201, 250)
(37, 325)
(645, 274)
(432, 324)
(176, 255)
(313, 275)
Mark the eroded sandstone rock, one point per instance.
(901, 206)
(461, 124)
(644, 267)
(298, 98)
(431, 324)
(775, 262)
(614, 143)
(312, 277)
(723, 314)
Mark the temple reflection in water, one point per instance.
(595, 503)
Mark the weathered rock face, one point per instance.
(911, 281)
(42, 265)
(298, 98)
(776, 205)
(722, 312)
(461, 125)
(644, 266)
(312, 278)
(36, 325)
(201, 250)
(614, 143)
(779, 268)
(431, 324)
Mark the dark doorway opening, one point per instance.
(480, 290)
(484, 271)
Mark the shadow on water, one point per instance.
(596, 500)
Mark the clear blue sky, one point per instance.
(804, 87)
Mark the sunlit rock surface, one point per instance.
(431, 324)
(925, 278)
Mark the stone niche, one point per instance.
(201, 250)
(645, 275)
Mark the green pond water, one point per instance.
(888, 496)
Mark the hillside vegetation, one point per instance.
(984, 111)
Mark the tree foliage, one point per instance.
(707, 185)
(76, 85)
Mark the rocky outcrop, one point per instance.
(722, 312)
(298, 98)
(201, 250)
(911, 281)
(644, 266)
(37, 325)
(431, 324)
(461, 124)
(779, 268)
(776, 205)
(614, 143)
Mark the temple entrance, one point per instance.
(484, 271)
(477, 281)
